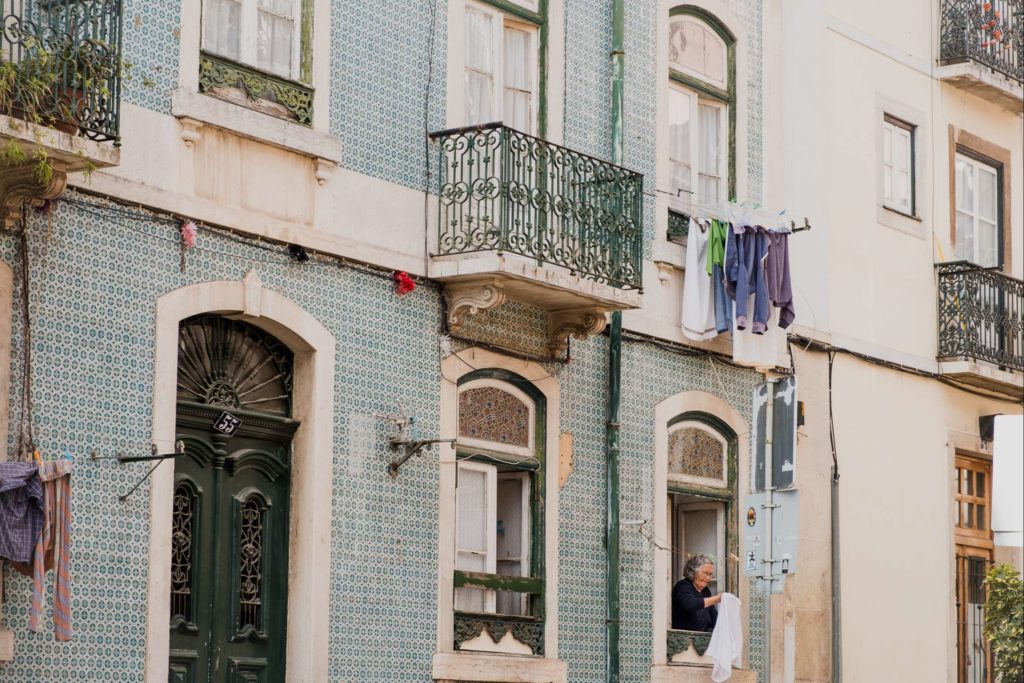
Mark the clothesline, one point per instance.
(709, 205)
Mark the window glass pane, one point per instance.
(478, 98)
(901, 149)
(517, 59)
(710, 137)
(987, 238)
(470, 599)
(222, 19)
(987, 202)
(981, 491)
(964, 236)
(887, 143)
(472, 512)
(970, 482)
(695, 48)
(274, 43)
(903, 190)
(511, 551)
(478, 40)
(981, 517)
(964, 186)
(969, 520)
(479, 74)
(679, 139)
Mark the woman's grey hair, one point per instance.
(695, 563)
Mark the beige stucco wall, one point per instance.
(864, 279)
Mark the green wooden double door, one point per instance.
(229, 564)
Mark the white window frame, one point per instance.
(684, 479)
(490, 526)
(500, 22)
(977, 166)
(248, 39)
(683, 201)
(892, 129)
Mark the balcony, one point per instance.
(981, 49)
(981, 327)
(529, 220)
(60, 93)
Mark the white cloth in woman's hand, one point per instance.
(726, 646)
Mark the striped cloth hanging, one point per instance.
(56, 540)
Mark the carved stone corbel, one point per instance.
(190, 131)
(471, 297)
(19, 184)
(579, 324)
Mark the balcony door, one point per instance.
(973, 536)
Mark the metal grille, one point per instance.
(60, 64)
(981, 315)
(974, 656)
(990, 33)
(182, 531)
(250, 596)
(232, 364)
(505, 191)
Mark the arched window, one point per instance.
(701, 505)
(499, 560)
(701, 112)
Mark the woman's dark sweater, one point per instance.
(688, 610)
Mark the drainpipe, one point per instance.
(614, 378)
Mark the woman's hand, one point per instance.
(713, 600)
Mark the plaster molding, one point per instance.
(579, 324)
(312, 475)
(469, 297)
(322, 169)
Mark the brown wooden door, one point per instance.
(973, 535)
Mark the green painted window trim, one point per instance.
(538, 571)
(540, 20)
(727, 96)
(727, 495)
(295, 96)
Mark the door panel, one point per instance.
(237, 563)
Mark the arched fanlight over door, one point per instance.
(233, 365)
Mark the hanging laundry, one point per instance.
(726, 646)
(780, 287)
(21, 510)
(698, 311)
(717, 238)
(53, 549)
(746, 252)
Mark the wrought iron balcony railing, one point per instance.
(981, 315)
(505, 191)
(990, 32)
(60, 64)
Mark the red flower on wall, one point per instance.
(403, 283)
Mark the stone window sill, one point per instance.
(255, 125)
(897, 220)
(487, 668)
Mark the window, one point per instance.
(972, 533)
(898, 165)
(500, 69)
(978, 188)
(701, 114)
(261, 33)
(258, 54)
(499, 510)
(700, 499)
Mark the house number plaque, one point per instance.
(227, 424)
